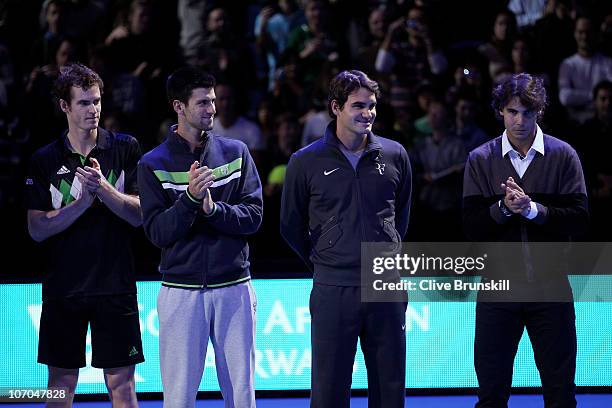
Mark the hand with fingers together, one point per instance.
(90, 177)
(515, 198)
(200, 179)
(86, 197)
(94, 181)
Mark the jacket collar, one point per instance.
(103, 141)
(331, 139)
(177, 142)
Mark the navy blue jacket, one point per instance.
(328, 208)
(199, 250)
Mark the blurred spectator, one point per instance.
(555, 27)
(579, 73)
(438, 161)
(124, 92)
(223, 53)
(314, 126)
(230, 123)
(41, 113)
(139, 54)
(315, 43)
(527, 12)
(288, 135)
(265, 120)
(408, 53)
(289, 90)
(385, 123)
(191, 15)
(272, 28)
(84, 19)
(50, 21)
(366, 54)
(606, 35)
(523, 61)
(593, 141)
(137, 45)
(465, 126)
(521, 57)
(317, 118)
(285, 143)
(498, 49)
(470, 76)
(421, 128)
(20, 28)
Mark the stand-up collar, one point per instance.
(331, 138)
(177, 141)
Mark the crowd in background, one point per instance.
(436, 62)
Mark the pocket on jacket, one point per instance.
(328, 238)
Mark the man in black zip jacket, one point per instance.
(349, 187)
(201, 197)
(525, 186)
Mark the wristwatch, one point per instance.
(505, 210)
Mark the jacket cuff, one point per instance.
(213, 212)
(192, 198)
(532, 212)
(189, 202)
(542, 214)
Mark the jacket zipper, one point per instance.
(357, 182)
(358, 186)
(205, 260)
(359, 199)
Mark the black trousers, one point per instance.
(552, 331)
(339, 318)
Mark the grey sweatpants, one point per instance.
(187, 318)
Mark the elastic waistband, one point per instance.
(209, 286)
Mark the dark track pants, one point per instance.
(552, 330)
(339, 318)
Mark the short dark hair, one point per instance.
(529, 89)
(78, 75)
(604, 84)
(512, 25)
(347, 82)
(183, 81)
(587, 18)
